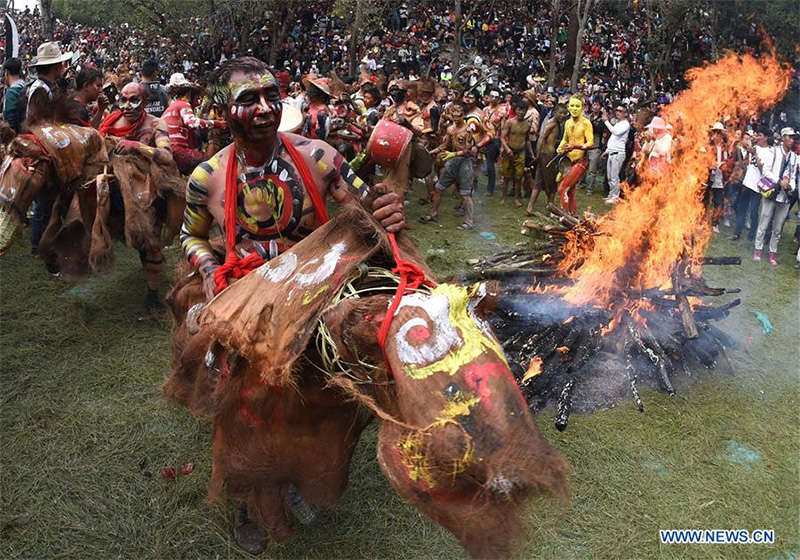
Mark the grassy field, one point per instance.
(83, 424)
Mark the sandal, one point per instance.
(428, 219)
(466, 227)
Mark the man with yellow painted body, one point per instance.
(578, 137)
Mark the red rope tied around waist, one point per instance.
(235, 267)
(411, 278)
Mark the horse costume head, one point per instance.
(456, 437)
(51, 156)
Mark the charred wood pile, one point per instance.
(582, 358)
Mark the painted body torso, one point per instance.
(461, 138)
(317, 121)
(475, 124)
(493, 119)
(578, 131)
(273, 206)
(518, 133)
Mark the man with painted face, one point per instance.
(145, 133)
(271, 189)
(136, 129)
(578, 138)
(268, 177)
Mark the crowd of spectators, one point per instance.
(506, 47)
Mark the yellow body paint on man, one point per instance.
(578, 137)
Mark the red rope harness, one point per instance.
(411, 278)
(39, 142)
(234, 267)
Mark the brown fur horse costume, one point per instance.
(69, 158)
(456, 437)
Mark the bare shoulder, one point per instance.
(311, 150)
(211, 172)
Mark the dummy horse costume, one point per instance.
(286, 361)
(76, 163)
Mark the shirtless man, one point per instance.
(430, 115)
(515, 139)
(493, 115)
(274, 209)
(474, 120)
(457, 149)
(273, 204)
(546, 148)
(139, 131)
(578, 138)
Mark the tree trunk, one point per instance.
(583, 18)
(551, 76)
(355, 36)
(278, 30)
(47, 18)
(574, 11)
(456, 61)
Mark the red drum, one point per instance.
(388, 142)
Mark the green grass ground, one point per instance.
(82, 418)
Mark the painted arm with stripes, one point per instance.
(197, 221)
(196, 123)
(343, 185)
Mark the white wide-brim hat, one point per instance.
(50, 53)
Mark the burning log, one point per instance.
(711, 312)
(564, 406)
(721, 260)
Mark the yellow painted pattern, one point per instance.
(308, 297)
(413, 445)
(474, 341)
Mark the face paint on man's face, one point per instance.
(255, 107)
(575, 107)
(131, 102)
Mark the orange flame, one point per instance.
(664, 218)
(534, 369)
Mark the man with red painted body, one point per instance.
(270, 178)
(183, 125)
(139, 131)
(136, 129)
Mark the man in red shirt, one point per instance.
(183, 125)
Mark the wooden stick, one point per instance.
(689, 324)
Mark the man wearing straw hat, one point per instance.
(50, 68)
(183, 125)
(318, 116)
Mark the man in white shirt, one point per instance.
(615, 149)
(781, 167)
(750, 198)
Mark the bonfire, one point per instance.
(606, 303)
